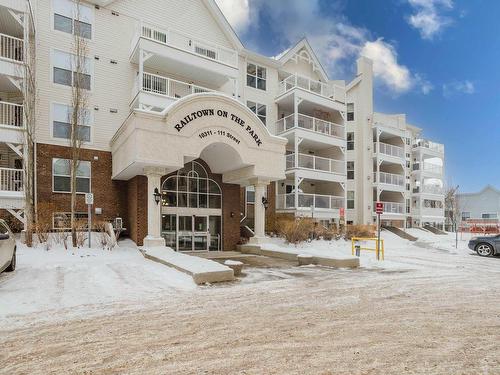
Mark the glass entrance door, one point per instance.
(192, 232)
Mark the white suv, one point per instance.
(7, 248)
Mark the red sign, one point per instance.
(379, 208)
(342, 211)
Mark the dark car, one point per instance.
(485, 246)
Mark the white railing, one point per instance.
(438, 147)
(11, 47)
(390, 178)
(11, 179)
(429, 190)
(391, 150)
(166, 86)
(310, 123)
(430, 168)
(317, 163)
(393, 207)
(11, 114)
(330, 91)
(187, 43)
(327, 202)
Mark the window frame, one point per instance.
(348, 112)
(52, 120)
(84, 19)
(353, 199)
(350, 170)
(348, 142)
(53, 66)
(256, 76)
(69, 176)
(264, 121)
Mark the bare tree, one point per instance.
(452, 209)
(30, 95)
(79, 99)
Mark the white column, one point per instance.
(260, 214)
(153, 237)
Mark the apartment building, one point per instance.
(388, 161)
(187, 135)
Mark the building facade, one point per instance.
(189, 136)
(479, 212)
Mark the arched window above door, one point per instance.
(191, 187)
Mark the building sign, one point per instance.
(379, 208)
(235, 120)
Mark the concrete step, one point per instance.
(399, 232)
(434, 230)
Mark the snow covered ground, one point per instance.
(428, 308)
(66, 284)
(84, 281)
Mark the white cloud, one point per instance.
(458, 87)
(337, 42)
(427, 17)
(237, 13)
(386, 67)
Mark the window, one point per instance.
(64, 70)
(61, 176)
(350, 170)
(258, 109)
(350, 111)
(408, 205)
(250, 192)
(350, 199)
(493, 215)
(408, 187)
(350, 141)
(256, 76)
(191, 187)
(465, 216)
(72, 18)
(61, 122)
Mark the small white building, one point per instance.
(481, 207)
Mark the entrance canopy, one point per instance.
(212, 126)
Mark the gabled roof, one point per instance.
(291, 53)
(223, 23)
(486, 188)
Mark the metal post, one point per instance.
(90, 224)
(378, 236)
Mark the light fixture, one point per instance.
(265, 202)
(157, 196)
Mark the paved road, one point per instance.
(438, 315)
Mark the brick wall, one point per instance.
(137, 208)
(110, 195)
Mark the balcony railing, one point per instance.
(189, 44)
(393, 207)
(390, 179)
(166, 86)
(316, 163)
(326, 202)
(391, 150)
(428, 189)
(310, 123)
(329, 91)
(11, 114)
(11, 179)
(434, 169)
(438, 147)
(11, 48)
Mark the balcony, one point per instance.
(316, 167)
(428, 190)
(159, 92)
(11, 55)
(432, 169)
(11, 188)
(389, 150)
(322, 95)
(309, 201)
(390, 179)
(428, 212)
(429, 145)
(191, 57)
(311, 128)
(392, 208)
(11, 122)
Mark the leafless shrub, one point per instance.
(295, 230)
(359, 231)
(104, 239)
(81, 233)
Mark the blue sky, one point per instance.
(435, 60)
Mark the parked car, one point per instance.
(7, 248)
(485, 246)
